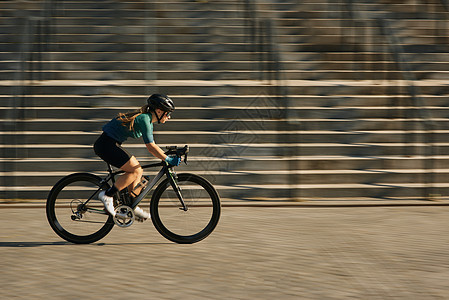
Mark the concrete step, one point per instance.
(380, 190)
(234, 136)
(238, 46)
(120, 74)
(119, 12)
(336, 8)
(399, 124)
(244, 56)
(331, 7)
(223, 87)
(138, 38)
(348, 29)
(394, 102)
(242, 113)
(380, 47)
(225, 74)
(242, 178)
(159, 5)
(225, 66)
(125, 29)
(338, 21)
(227, 28)
(217, 161)
(140, 87)
(284, 191)
(228, 149)
(116, 46)
(114, 13)
(111, 35)
(138, 65)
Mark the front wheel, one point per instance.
(197, 220)
(74, 218)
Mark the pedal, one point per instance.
(140, 220)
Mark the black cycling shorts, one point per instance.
(111, 151)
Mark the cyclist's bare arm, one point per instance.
(156, 150)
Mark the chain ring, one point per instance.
(124, 216)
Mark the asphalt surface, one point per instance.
(254, 253)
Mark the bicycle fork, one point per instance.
(174, 183)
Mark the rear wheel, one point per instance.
(70, 218)
(200, 217)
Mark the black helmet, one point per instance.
(162, 102)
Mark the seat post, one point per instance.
(109, 168)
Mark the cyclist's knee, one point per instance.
(135, 173)
(132, 167)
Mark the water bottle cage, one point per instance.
(142, 184)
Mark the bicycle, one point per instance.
(185, 208)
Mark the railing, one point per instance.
(256, 36)
(34, 43)
(36, 33)
(250, 24)
(445, 4)
(150, 48)
(422, 113)
(261, 37)
(261, 41)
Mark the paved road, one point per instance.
(255, 253)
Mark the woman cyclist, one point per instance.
(132, 125)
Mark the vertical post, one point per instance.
(151, 50)
(444, 21)
(420, 112)
(249, 15)
(253, 36)
(262, 42)
(280, 93)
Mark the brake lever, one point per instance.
(178, 152)
(186, 152)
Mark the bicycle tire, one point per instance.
(62, 199)
(198, 221)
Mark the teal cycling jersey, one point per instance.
(143, 127)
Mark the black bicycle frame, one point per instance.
(166, 170)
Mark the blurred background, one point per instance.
(279, 100)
